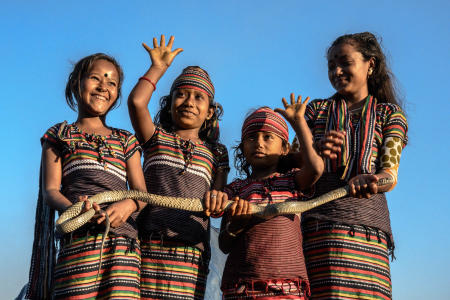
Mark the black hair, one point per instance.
(381, 82)
(164, 116)
(80, 70)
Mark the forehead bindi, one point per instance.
(105, 69)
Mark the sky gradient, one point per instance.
(256, 53)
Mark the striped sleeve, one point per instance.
(51, 138)
(221, 153)
(395, 124)
(131, 144)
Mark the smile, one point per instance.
(99, 97)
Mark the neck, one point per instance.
(355, 101)
(92, 125)
(263, 173)
(188, 134)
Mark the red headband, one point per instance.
(265, 119)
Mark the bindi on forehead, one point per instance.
(106, 74)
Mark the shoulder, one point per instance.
(316, 103)
(59, 130)
(389, 108)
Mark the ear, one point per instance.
(286, 147)
(210, 113)
(372, 63)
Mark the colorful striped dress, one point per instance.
(347, 242)
(92, 164)
(266, 259)
(175, 243)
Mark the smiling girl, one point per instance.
(182, 158)
(79, 160)
(360, 131)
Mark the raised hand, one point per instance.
(161, 55)
(295, 110)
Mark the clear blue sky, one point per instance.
(256, 52)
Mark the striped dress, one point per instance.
(92, 164)
(266, 260)
(175, 243)
(347, 242)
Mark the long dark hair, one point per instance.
(80, 70)
(381, 82)
(164, 116)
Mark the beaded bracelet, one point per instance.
(147, 79)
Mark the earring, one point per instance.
(369, 72)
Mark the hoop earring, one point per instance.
(369, 72)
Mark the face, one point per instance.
(263, 149)
(347, 71)
(190, 108)
(99, 89)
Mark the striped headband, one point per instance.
(194, 78)
(265, 119)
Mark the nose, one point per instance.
(337, 71)
(102, 86)
(189, 99)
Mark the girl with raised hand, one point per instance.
(82, 159)
(265, 257)
(360, 131)
(182, 158)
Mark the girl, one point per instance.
(360, 131)
(265, 258)
(80, 160)
(182, 157)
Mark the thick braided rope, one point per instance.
(71, 219)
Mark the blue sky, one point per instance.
(256, 52)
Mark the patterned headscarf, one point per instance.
(265, 119)
(194, 78)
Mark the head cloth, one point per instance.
(194, 78)
(265, 119)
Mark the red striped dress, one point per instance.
(266, 260)
(347, 242)
(175, 243)
(92, 164)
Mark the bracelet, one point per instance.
(232, 234)
(147, 79)
(137, 205)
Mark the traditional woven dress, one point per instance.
(175, 243)
(92, 164)
(347, 242)
(266, 260)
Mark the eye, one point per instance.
(179, 94)
(112, 83)
(94, 77)
(268, 137)
(199, 96)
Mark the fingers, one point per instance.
(177, 51)
(155, 42)
(285, 104)
(293, 98)
(170, 43)
(304, 102)
(207, 203)
(162, 41)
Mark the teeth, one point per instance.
(100, 97)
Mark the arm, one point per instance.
(233, 223)
(119, 212)
(161, 57)
(51, 179)
(311, 162)
(215, 199)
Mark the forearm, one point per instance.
(56, 200)
(311, 163)
(385, 188)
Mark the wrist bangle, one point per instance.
(232, 234)
(147, 79)
(137, 205)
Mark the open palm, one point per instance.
(162, 55)
(295, 110)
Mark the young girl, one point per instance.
(361, 131)
(182, 157)
(80, 160)
(265, 258)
